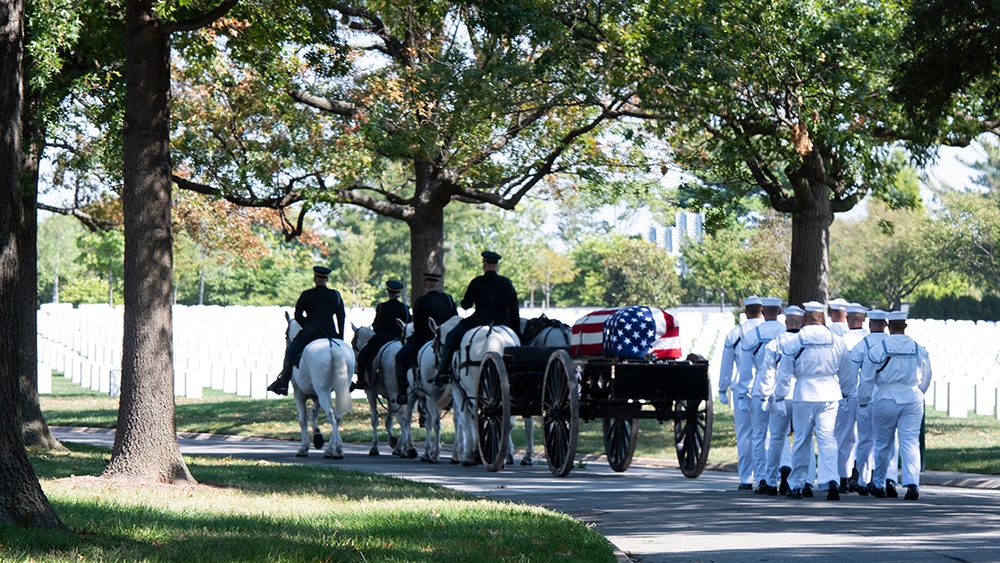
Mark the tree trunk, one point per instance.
(146, 446)
(426, 227)
(21, 498)
(36, 432)
(810, 261)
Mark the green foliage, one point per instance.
(616, 270)
(964, 307)
(736, 261)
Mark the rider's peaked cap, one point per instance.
(490, 257)
(321, 271)
(393, 285)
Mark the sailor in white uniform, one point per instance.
(838, 316)
(750, 368)
(778, 464)
(741, 413)
(846, 430)
(895, 376)
(816, 358)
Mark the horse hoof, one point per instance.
(527, 461)
(411, 453)
(334, 456)
(425, 459)
(469, 464)
(392, 441)
(301, 454)
(373, 452)
(509, 460)
(318, 441)
(455, 461)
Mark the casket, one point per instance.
(633, 332)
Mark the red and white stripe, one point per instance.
(587, 338)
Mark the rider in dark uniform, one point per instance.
(386, 330)
(495, 300)
(314, 311)
(433, 304)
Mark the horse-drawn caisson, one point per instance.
(621, 370)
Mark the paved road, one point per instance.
(654, 514)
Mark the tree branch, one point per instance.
(338, 107)
(200, 21)
(85, 218)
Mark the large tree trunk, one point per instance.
(21, 498)
(426, 228)
(810, 261)
(36, 432)
(146, 441)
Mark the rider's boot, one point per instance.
(280, 385)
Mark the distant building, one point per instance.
(686, 225)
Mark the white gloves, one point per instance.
(780, 408)
(764, 403)
(743, 404)
(724, 397)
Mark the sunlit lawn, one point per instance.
(967, 445)
(257, 511)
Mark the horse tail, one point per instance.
(341, 371)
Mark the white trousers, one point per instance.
(865, 452)
(846, 434)
(814, 418)
(744, 453)
(779, 450)
(759, 419)
(890, 418)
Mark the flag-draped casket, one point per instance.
(626, 332)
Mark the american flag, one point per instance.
(627, 332)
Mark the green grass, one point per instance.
(970, 445)
(257, 511)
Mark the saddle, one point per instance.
(534, 327)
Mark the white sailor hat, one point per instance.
(813, 306)
(752, 300)
(794, 311)
(770, 301)
(877, 315)
(896, 316)
(838, 304)
(857, 308)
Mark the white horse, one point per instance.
(382, 382)
(475, 344)
(435, 398)
(553, 334)
(325, 368)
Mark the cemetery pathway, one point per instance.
(652, 513)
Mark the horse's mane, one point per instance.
(534, 327)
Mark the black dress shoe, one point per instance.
(441, 379)
(762, 488)
(785, 471)
(745, 487)
(795, 493)
(772, 491)
(912, 493)
(833, 492)
(864, 491)
(277, 388)
(878, 493)
(890, 489)
(807, 491)
(843, 484)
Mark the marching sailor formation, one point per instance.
(849, 397)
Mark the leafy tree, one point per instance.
(884, 257)
(973, 217)
(737, 261)
(783, 100)
(398, 108)
(355, 272)
(58, 252)
(22, 500)
(551, 269)
(616, 270)
(949, 74)
(145, 446)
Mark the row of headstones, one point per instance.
(238, 349)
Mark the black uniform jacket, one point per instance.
(495, 300)
(315, 311)
(431, 305)
(386, 313)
